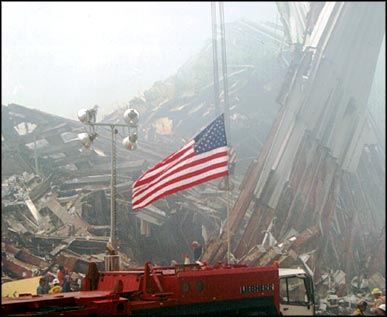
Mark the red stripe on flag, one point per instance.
(180, 187)
(165, 164)
(176, 182)
(175, 169)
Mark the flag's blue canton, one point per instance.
(212, 137)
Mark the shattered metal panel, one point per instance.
(319, 136)
(293, 16)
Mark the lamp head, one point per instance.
(88, 115)
(131, 116)
(82, 115)
(87, 139)
(130, 142)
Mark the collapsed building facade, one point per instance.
(309, 183)
(318, 185)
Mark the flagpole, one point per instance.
(228, 218)
(226, 112)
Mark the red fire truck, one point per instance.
(191, 289)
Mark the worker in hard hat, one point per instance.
(361, 308)
(378, 300)
(56, 287)
(381, 310)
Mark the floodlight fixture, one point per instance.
(83, 115)
(87, 139)
(130, 142)
(131, 116)
(88, 116)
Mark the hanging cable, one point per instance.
(215, 58)
(224, 71)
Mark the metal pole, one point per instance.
(112, 261)
(226, 115)
(36, 157)
(228, 219)
(113, 211)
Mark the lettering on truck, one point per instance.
(256, 288)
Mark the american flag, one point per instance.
(204, 158)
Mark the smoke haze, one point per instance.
(62, 56)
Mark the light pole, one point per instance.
(88, 117)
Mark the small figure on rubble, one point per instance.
(378, 299)
(64, 278)
(60, 274)
(74, 282)
(364, 285)
(197, 250)
(66, 287)
(43, 287)
(381, 311)
(361, 308)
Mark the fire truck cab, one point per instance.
(296, 293)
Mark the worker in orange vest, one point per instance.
(381, 311)
(378, 300)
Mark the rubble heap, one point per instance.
(301, 191)
(317, 190)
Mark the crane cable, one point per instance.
(224, 70)
(216, 64)
(215, 58)
(225, 98)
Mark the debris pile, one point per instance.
(308, 189)
(320, 174)
(56, 194)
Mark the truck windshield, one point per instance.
(294, 290)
